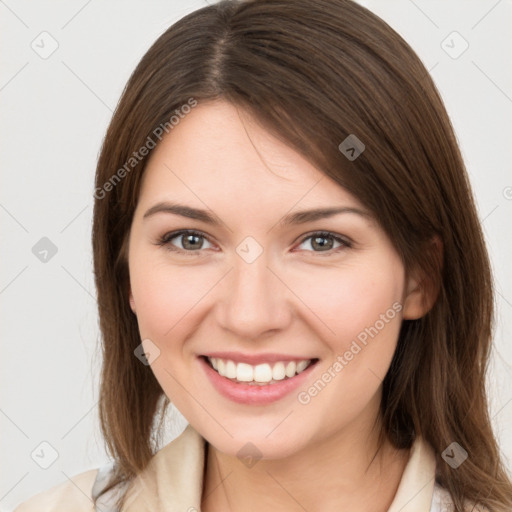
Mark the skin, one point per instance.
(295, 298)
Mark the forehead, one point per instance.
(217, 154)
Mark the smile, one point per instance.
(256, 384)
(260, 374)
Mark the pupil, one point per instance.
(321, 245)
(188, 239)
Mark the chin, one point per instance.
(255, 441)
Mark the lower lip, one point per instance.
(254, 394)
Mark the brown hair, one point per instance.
(313, 73)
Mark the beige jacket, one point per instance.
(173, 481)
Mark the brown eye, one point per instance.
(324, 242)
(190, 241)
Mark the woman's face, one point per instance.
(262, 286)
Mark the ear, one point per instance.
(422, 287)
(132, 302)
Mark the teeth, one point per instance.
(278, 372)
(261, 373)
(230, 370)
(301, 366)
(244, 372)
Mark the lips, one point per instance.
(252, 393)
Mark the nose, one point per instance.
(256, 301)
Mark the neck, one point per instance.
(343, 471)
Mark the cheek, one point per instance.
(363, 308)
(349, 300)
(165, 296)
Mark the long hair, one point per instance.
(314, 73)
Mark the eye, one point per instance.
(318, 240)
(191, 240)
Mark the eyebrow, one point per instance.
(209, 217)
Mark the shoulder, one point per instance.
(73, 495)
(442, 502)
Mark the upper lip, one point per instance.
(254, 359)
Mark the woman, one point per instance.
(286, 247)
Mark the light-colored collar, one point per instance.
(173, 480)
(415, 490)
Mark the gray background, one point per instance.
(56, 109)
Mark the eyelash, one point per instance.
(165, 240)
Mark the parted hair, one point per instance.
(314, 72)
